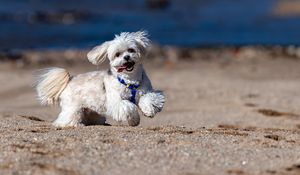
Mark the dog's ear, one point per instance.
(99, 53)
(141, 37)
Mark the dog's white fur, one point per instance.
(100, 91)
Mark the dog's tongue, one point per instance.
(121, 68)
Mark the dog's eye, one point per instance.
(117, 54)
(130, 50)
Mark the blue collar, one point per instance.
(132, 87)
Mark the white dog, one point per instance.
(118, 92)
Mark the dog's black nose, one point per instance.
(127, 57)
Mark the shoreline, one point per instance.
(42, 57)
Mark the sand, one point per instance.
(222, 116)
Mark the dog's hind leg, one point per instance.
(69, 116)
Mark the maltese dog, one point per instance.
(119, 92)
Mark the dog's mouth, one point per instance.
(128, 66)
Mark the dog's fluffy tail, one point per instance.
(50, 84)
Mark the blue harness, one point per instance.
(132, 87)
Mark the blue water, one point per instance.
(189, 23)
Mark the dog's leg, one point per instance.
(69, 116)
(124, 110)
(151, 103)
(130, 111)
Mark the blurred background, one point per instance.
(31, 24)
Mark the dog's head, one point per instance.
(124, 52)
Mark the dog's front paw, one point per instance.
(129, 112)
(133, 119)
(152, 103)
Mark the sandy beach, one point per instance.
(226, 113)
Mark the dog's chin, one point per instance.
(127, 67)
